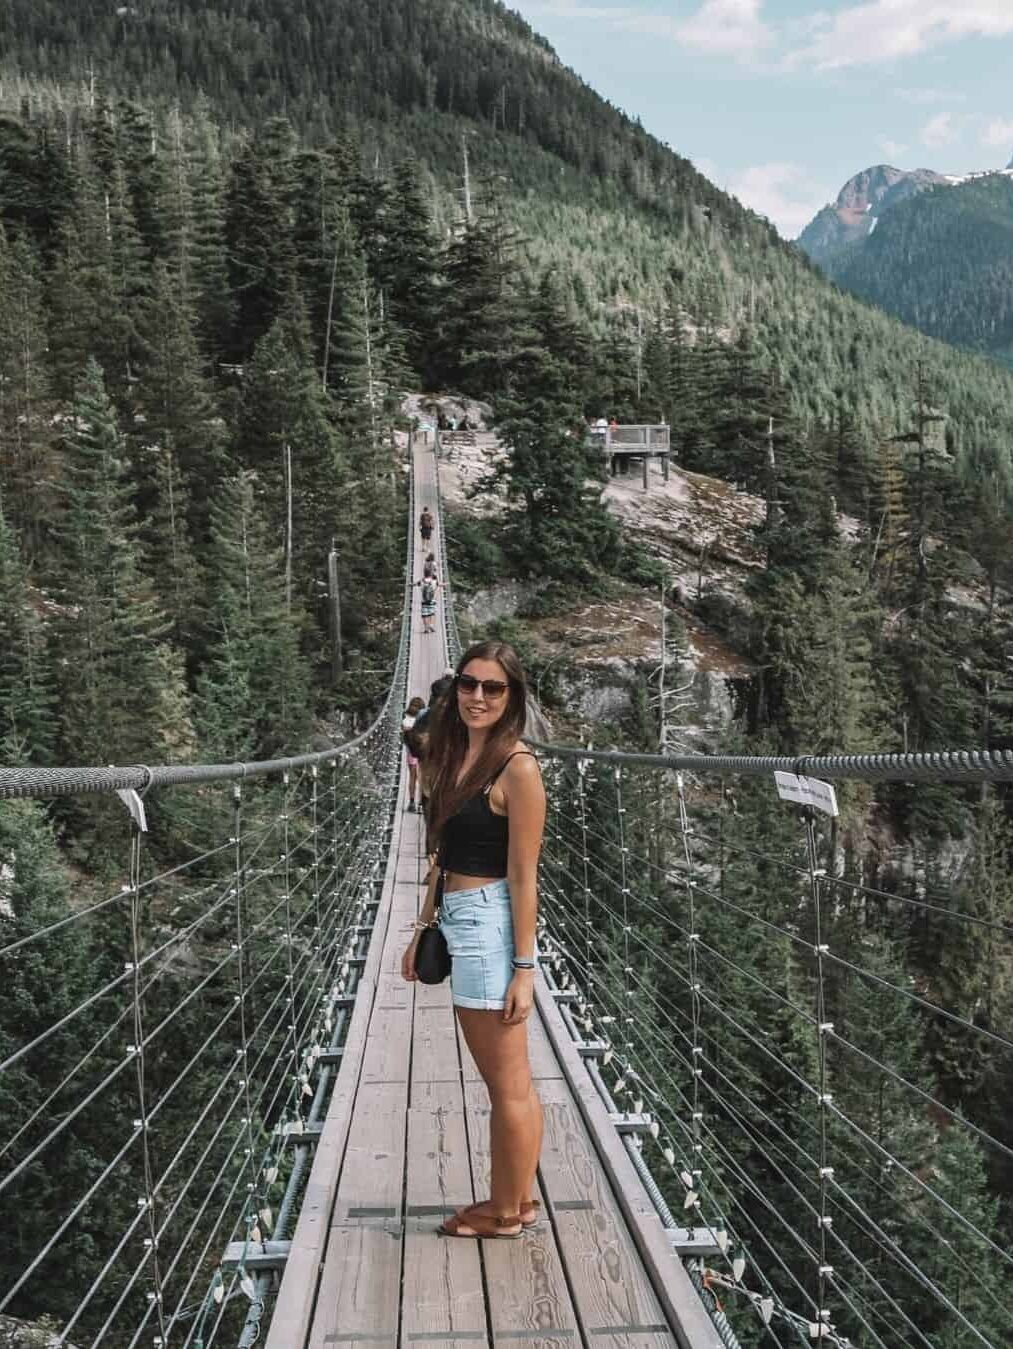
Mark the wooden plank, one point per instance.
(442, 1288)
(609, 1285)
(387, 1047)
(434, 1048)
(526, 1282)
(358, 1305)
(680, 1304)
(392, 991)
(373, 1165)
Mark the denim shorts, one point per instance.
(479, 927)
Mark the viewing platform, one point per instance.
(643, 441)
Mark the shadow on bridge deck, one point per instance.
(406, 1140)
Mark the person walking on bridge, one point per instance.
(429, 585)
(486, 817)
(426, 525)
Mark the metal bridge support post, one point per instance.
(286, 871)
(824, 1270)
(626, 1000)
(147, 1200)
(692, 943)
(314, 816)
(256, 1197)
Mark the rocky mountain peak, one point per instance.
(860, 203)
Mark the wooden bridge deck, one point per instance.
(406, 1140)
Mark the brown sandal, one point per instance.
(484, 1225)
(531, 1204)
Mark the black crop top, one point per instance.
(476, 840)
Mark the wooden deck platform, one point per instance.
(406, 1140)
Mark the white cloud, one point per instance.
(998, 134)
(938, 131)
(892, 149)
(782, 192)
(726, 28)
(720, 27)
(887, 30)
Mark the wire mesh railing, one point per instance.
(813, 1053)
(168, 1048)
(454, 647)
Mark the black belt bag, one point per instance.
(432, 957)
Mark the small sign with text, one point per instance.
(807, 792)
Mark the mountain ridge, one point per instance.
(637, 235)
(934, 250)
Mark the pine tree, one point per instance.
(170, 555)
(349, 372)
(27, 461)
(745, 405)
(254, 692)
(122, 696)
(208, 277)
(86, 320)
(482, 319)
(286, 429)
(262, 259)
(412, 271)
(26, 703)
(178, 414)
(552, 471)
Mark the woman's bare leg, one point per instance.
(515, 1121)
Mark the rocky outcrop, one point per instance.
(26, 1335)
(499, 601)
(861, 202)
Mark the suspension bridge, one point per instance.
(341, 1115)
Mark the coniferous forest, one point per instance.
(232, 237)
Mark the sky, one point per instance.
(782, 101)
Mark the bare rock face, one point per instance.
(26, 1335)
(861, 202)
(499, 601)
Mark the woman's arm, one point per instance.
(525, 802)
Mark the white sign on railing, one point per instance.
(807, 792)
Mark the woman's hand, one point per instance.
(520, 998)
(408, 960)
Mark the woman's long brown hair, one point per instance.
(448, 739)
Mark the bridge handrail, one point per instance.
(28, 781)
(944, 766)
(449, 611)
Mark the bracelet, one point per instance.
(519, 963)
(419, 925)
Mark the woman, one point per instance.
(411, 749)
(429, 586)
(486, 815)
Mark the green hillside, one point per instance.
(627, 223)
(943, 262)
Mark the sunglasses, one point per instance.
(491, 688)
